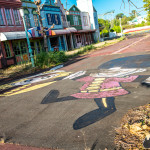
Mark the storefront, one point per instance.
(83, 38)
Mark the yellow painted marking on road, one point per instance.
(104, 102)
(15, 90)
(99, 79)
(97, 82)
(35, 87)
(93, 91)
(83, 91)
(93, 88)
(112, 89)
(61, 74)
(93, 85)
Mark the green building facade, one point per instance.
(74, 18)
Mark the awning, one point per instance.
(5, 36)
(84, 31)
(62, 31)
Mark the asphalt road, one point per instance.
(83, 111)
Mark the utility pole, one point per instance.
(120, 26)
(66, 4)
(43, 29)
(28, 41)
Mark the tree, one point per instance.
(147, 8)
(120, 15)
(43, 29)
(105, 23)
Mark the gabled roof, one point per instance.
(74, 8)
(94, 9)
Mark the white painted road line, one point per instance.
(122, 49)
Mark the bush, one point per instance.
(111, 30)
(105, 33)
(44, 59)
(117, 29)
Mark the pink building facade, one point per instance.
(10, 21)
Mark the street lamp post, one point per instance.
(120, 26)
(28, 41)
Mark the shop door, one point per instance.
(20, 50)
(68, 42)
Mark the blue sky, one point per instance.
(103, 6)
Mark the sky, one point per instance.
(103, 6)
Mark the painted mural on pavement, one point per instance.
(32, 83)
(36, 82)
(101, 87)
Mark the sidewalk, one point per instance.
(97, 45)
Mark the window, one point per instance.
(23, 47)
(49, 18)
(1, 18)
(7, 50)
(53, 18)
(27, 18)
(17, 22)
(19, 47)
(36, 22)
(85, 20)
(35, 17)
(76, 20)
(8, 16)
(27, 21)
(16, 48)
(56, 20)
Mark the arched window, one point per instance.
(27, 18)
(35, 17)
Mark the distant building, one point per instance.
(87, 6)
(80, 21)
(137, 20)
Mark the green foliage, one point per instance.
(120, 15)
(104, 33)
(135, 26)
(112, 30)
(44, 59)
(117, 29)
(105, 23)
(147, 8)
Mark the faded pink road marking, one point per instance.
(104, 94)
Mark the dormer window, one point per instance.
(8, 16)
(16, 17)
(1, 18)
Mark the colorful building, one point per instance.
(89, 8)
(72, 29)
(81, 21)
(10, 21)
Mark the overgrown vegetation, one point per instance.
(44, 60)
(135, 127)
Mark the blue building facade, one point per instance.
(50, 14)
